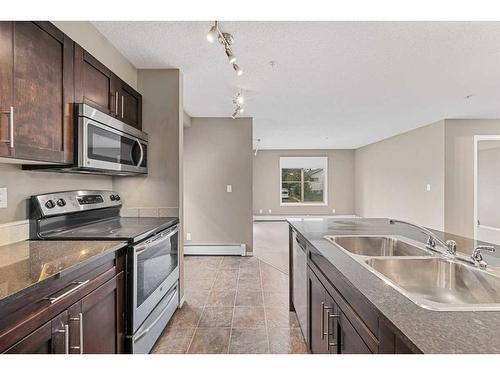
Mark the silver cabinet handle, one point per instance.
(122, 105)
(116, 103)
(80, 323)
(79, 284)
(10, 113)
(334, 343)
(66, 337)
(323, 308)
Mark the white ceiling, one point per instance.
(336, 84)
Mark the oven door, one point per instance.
(104, 148)
(155, 271)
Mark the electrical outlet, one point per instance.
(3, 197)
(333, 210)
(269, 211)
(188, 236)
(261, 210)
(229, 188)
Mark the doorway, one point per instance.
(487, 188)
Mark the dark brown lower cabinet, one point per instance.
(51, 338)
(330, 332)
(82, 312)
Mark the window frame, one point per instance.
(325, 184)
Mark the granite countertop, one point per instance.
(430, 331)
(27, 264)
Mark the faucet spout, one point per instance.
(432, 240)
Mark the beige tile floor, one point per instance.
(233, 305)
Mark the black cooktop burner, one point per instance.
(118, 228)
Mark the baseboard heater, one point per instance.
(216, 249)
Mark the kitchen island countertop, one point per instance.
(428, 331)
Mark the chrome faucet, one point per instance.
(477, 257)
(432, 240)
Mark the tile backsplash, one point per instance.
(149, 211)
(14, 232)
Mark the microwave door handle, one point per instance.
(141, 158)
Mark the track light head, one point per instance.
(239, 99)
(213, 34)
(230, 55)
(237, 69)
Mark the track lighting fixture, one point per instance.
(226, 40)
(213, 34)
(230, 55)
(238, 102)
(237, 69)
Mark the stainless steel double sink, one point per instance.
(428, 279)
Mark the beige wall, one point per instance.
(218, 152)
(86, 35)
(391, 177)
(162, 119)
(22, 184)
(459, 204)
(266, 182)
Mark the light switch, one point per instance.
(188, 236)
(3, 197)
(229, 188)
(428, 187)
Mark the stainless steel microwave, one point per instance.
(104, 145)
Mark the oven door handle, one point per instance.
(163, 236)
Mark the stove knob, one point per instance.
(112, 197)
(50, 204)
(117, 197)
(61, 202)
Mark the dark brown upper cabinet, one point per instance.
(130, 105)
(36, 92)
(99, 87)
(94, 83)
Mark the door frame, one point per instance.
(477, 138)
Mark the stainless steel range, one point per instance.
(151, 259)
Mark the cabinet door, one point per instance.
(94, 83)
(51, 338)
(102, 318)
(6, 70)
(350, 341)
(130, 105)
(318, 343)
(42, 93)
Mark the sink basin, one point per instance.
(440, 284)
(374, 246)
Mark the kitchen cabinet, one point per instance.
(130, 105)
(331, 332)
(80, 313)
(94, 83)
(99, 87)
(50, 338)
(36, 92)
(96, 322)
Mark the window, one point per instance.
(303, 181)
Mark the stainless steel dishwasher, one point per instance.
(300, 282)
